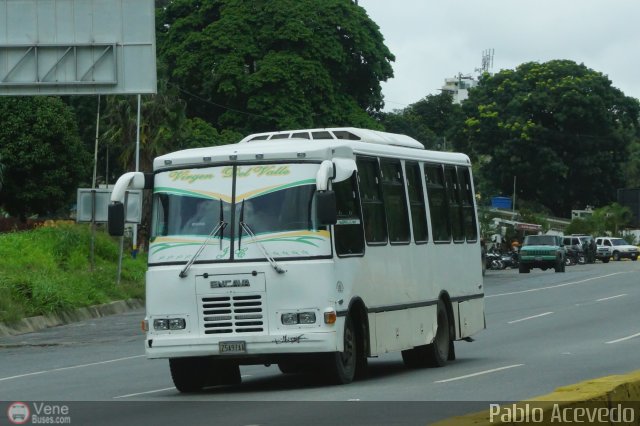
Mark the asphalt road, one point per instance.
(544, 330)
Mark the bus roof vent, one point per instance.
(341, 133)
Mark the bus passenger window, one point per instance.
(349, 236)
(416, 202)
(395, 201)
(468, 211)
(438, 206)
(455, 206)
(375, 221)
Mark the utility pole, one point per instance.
(514, 197)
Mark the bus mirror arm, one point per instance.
(326, 172)
(115, 212)
(337, 170)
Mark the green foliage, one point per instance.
(47, 270)
(611, 219)
(581, 226)
(276, 64)
(43, 158)
(560, 127)
(607, 220)
(430, 120)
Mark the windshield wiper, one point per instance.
(264, 251)
(219, 227)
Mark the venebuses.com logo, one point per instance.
(18, 413)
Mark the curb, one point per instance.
(602, 395)
(32, 324)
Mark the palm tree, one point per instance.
(162, 119)
(161, 124)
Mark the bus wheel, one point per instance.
(194, 373)
(187, 373)
(291, 367)
(437, 352)
(416, 357)
(341, 366)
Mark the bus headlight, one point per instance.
(292, 318)
(177, 324)
(289, 319)
(161, 324)
(164, 324)
(307, 317)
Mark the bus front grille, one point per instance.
(233, 314)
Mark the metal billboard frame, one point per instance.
(75, 47)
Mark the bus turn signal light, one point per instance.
(330, 317)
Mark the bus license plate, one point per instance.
(239, 347)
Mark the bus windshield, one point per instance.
(197, 207)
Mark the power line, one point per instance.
(193, 95)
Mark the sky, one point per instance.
(437, 39)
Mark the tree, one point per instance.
(430, 120)
(611, 219)
(560, 127)
(44, 159)
(277, 64)
(1, 173)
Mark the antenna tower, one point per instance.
(487, 61)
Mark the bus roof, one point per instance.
(336, 145)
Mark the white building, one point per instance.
(459, 87)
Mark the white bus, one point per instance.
(311, 249)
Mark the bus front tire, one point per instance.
(341, 366)
(191, 374)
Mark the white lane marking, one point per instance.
(143, 393)
(612, 297)
(624, 338)
(556, 286)
(479, 373)
(531, 317)
(35, 373)
(247, 375)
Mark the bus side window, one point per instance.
(395, 201)
(455, 206)
(415, 190)
(438, 206)
(375, 221)
(468, 211)
(349, 236)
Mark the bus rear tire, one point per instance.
(292, 367)
(341, 366)
(438, 352)
(191, 374)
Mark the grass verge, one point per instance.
(48, 270)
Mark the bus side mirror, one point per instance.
(116, 219)
(326, 207)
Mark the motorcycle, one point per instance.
(574, 257)
(510, 260)
(494, 261)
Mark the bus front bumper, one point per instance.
(241, 347)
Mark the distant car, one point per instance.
(619, 248)
(542, 251)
